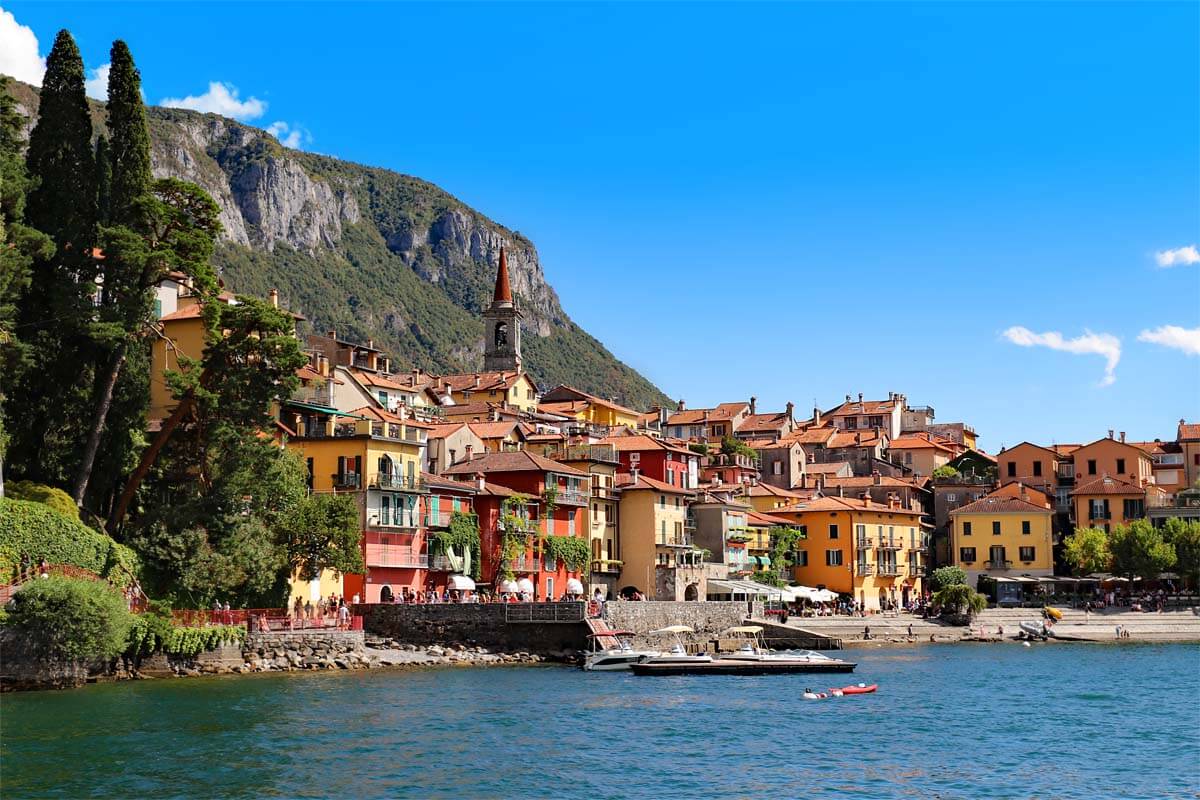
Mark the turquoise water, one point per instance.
(952, 721)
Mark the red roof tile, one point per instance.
(511, 461)
(1001, 505)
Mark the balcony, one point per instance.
(579, 428)
(890, 544)
(996, 563)
(346, 480)
(889, 570)
(402, 483)
(315, 395)
(384, 555)
(397, 433)
(673, 540)
(392, 518)
(438, 519)
(523, 564)
(864, 542)
(603, 453)
(571, 498)
(1095, 514)
(607, 566)
(864, 569)
(917, 570)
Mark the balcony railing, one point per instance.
(384, 480)
(384, 555)
(889, 570)
(605, 453)
(314, 395)
(571, 498)
(1094, 514)
(996, 563)
(393, 518)
(607, 566)
(864, 569)
(890, 544)
(917, 569)
(673, 540)
(864, 542)
(396, 432)
(346, 480)
(523, 564)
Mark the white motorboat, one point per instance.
(753, 650)
(614, 658)
(678, 653)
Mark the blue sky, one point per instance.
(791, 201)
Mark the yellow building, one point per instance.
(858, 547)
(658, 555)
(183, 335)
(376, 456)
(1002, 536)
(515, 390)
(587, 408)
(765, 498)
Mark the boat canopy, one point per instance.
(672, 629)
(602, 634)
(743, 629)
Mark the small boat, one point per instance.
(614, 658)
(860, 688)
(725, 666)
(811, 695)
(1053, 613)
(1036, 629)
(753, 650)
(678, 653)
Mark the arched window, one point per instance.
(501, 335)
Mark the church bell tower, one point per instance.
(502, 326)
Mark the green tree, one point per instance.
(731, 446)
(1184, 536)
(56, 308)
(322, 532)
(1139, 551)
(131, 175)
(944, 577)
(19, 246)
(1086, 551)
(958, 598)
(103, 179)
(71, 620)
(945, 471)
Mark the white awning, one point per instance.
(509, 586)
(744, 588)
(525, 585)
(672, 629)
(461, 583)
(574, 586)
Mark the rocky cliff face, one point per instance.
(323, 230)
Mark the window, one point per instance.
(1025, 527)
(908, 458)
(833, 558)
(662, 500)
(1134, 509)
(571, 522)
(951, 497)
(1012, 469)
(1120, 466)
(1098, 509)
(1027, 553)
(801, 558)
(966, 555)
(833, 530)
(777, 468)
(662, 529)
(1091, 466)
(996, 528)
(1037, 469)
(966, 529)
(677, 502)
(851, 423)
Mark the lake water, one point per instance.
(949, 721)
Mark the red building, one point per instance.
(500, 478)
(446, 498)
(672, 464)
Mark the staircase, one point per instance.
(599, 626)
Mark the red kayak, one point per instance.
(859, 689)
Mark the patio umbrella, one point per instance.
(509, 586)
(525, 585)
(574, 586)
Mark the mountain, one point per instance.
(371, 253)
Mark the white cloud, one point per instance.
(1185, 339)
(1178, 256)
(221, 98)
(96, 85)
(1100, 344)
(19, 51)
(293, 136)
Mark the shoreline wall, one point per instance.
(499, 626)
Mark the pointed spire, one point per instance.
(503, 292)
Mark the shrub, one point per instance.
(36, 531)
(959, 599)
(944, 577)
(71, 619)
(57, 499)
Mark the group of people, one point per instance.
(333, 609)
(434, 597)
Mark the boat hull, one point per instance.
(727, 667)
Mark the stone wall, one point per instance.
(483, 624)
(707, 619)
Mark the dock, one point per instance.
(731, 667)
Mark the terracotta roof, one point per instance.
(764, 422)
(307, 373)
(697, 415)
(383, 415)
(1188, 431)
(567, 407)
(759, 518)
(492, 430)
(1110, 441)
(1008, 450)
(820, 435)
(1107, 485)
(852, 439)
(767, 490)
(487, 381)
(854, 408)
(640, 441)
(843, 504)
(626, 483)
(439, 482)
(1001, 505)
(503, 293)
(585, 398)
(884, 480)
(190, 312)
(444, 429)
(1065, 449)
(482, 408)
(918, 441)
(511, 461)
(380, 381)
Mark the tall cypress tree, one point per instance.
(131, 176)
(56, 310)
(103, 179)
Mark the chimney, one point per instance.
(847, 398)
(858, 437)
(1122, 436)
(819, 484)
(681, 406)
(789, 409)
(479, 481)
(1110, 433)
(753, 405)
(332, 334)
(841, 491)
(804, 480)
(878, 479)
(816, 417)
(891, 397)
(274, 295)
(468, 450)
(633, 473)
(860, 395)
(478, 380)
